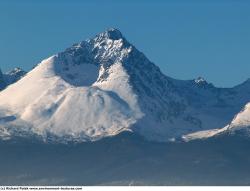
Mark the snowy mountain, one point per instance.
(104, 86)
(10, 77)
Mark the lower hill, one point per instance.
(126, 159)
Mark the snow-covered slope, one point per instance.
(243, 118)
(238, 122)
(10, 77)
(83, 93)
(104, 85)
(241, 122)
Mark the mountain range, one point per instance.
(104, 86)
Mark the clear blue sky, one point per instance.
(186, 39)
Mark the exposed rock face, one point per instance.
(10, 77)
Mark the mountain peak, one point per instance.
(15, 71)
(106, 48)
(111, 33)
(200, 80)
(202, 83)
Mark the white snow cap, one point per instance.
(200, 80)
